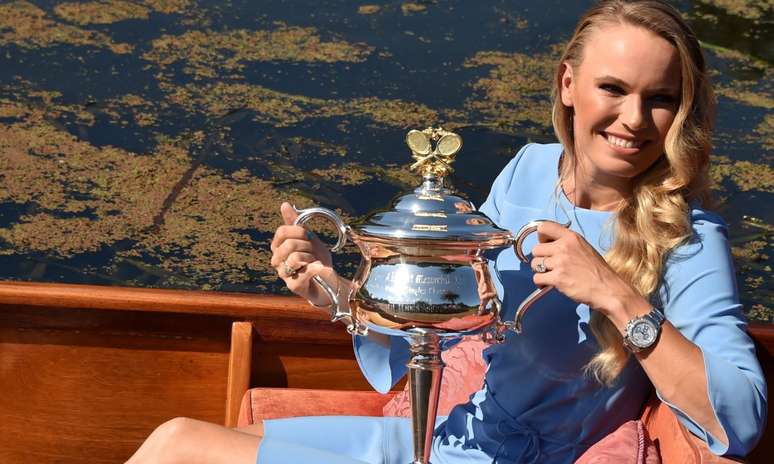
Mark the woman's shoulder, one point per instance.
(708, 241)
(528, 178)
(707, 226)
(539, 152)
(532, 160)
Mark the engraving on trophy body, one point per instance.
(444, 295)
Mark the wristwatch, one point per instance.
(642, 332)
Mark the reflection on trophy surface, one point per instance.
(423, 274)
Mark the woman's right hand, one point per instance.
(298, 255)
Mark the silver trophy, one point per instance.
(423, 274)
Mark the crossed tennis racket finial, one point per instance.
(433, 150)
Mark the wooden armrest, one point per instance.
(272, 403)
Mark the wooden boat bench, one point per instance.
(87, 372)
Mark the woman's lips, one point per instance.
(623, 144)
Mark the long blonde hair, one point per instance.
(655, 219)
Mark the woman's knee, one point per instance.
(172, 439)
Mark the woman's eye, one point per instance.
(612, 89)
(664, 99)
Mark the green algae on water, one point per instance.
(206, 234)
(108, 194)
(750, 9)
(516, 91)
(27, 26)
(754, 85)
(745, 175)
(411, 8)
(169, 6)
(368, 9)
(760, 313)
(282, 109)
(765, 132)
(207, 52)
(104, 12)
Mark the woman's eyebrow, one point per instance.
(621, 83)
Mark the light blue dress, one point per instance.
(536, 404)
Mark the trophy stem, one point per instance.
(425, 371)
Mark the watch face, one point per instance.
(643, 334)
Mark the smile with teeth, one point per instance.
(623, 143)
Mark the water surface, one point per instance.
(149, 143)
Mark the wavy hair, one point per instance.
(655, 218)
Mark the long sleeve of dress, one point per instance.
(700, 299)
(382, 359)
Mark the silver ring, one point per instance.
(289, 271)
(541, 266)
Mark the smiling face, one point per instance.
(625, 94)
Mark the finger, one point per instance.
(299, 260)
(317, 268)
(302, 281)
(549, 231)
(287, 232)
(542, 279)
(543, 249)
(287, 247)
(289, 213)
(540, 265)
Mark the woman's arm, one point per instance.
(703, 365)
(674, 365)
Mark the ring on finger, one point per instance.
(289, 271)
(541, 266)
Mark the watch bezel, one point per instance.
(654, 319)
(636, 340)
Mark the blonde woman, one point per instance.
(646, 290)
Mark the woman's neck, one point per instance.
(593, 190)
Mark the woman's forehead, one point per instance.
(631, 54)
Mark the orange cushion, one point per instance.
(629, 444)
(675, 443)
(272, 403)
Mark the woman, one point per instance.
(633, 112)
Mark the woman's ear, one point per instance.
(567, 84)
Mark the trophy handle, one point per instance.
(528, 228)
(338, 312)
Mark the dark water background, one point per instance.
(149, 143)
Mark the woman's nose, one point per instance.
(633, 113)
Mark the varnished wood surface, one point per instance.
(282, 319)
(86, 373)
(149, 299)
(67, 401)
(763, 335)
(239, 364)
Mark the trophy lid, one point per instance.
(432, 211)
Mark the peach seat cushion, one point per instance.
(464, 373)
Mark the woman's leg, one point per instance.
(190, 441)
(252, 429)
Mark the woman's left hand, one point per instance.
(571, 265)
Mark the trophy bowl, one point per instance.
(423, 274)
